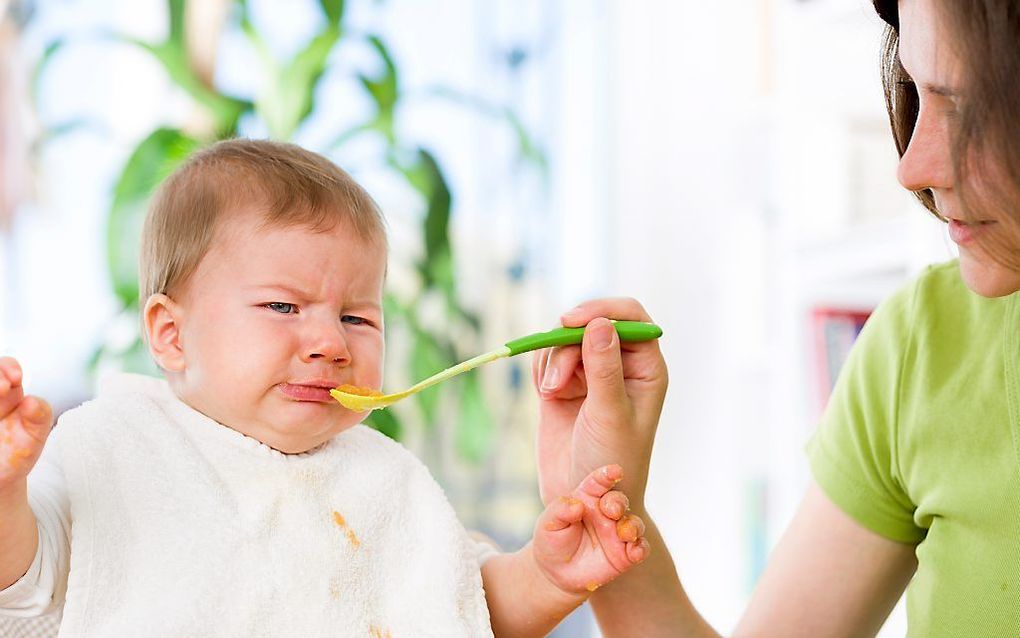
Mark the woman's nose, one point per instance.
(927, 162)
(327, 343)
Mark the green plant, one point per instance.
(283, 105)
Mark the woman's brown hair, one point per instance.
(986, 38)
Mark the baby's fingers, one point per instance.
(22, 437)
(36, 418)
(614, 505)
(559, 532)
(630, 528)
(638, 551)
(625, 546)
(11, 391)
(596, 484)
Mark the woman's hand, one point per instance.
(599, 402)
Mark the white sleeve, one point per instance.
(42, 588)
(483, 546)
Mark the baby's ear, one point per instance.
(161, 317)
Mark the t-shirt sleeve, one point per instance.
(853, 453)
(41, 590)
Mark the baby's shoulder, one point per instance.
(126, 403)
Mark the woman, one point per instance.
(916, 463)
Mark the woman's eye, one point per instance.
(282, 308)
(354, 320)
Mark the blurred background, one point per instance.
(727, 163)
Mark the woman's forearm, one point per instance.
(649, 600)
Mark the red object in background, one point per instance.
(835, 330)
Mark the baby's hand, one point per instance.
(587, 539)
(24, 425)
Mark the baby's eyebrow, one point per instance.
(279, 287)
(298, 293)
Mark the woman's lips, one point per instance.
(964, 233)
(306, 392)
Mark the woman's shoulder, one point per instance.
(937, 297)
(938, 301)
(936, 284)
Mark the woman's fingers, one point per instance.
(603, 371)
(619, 308)
(556, 371)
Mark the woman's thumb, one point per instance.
(603, 369)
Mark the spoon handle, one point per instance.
(628, 331)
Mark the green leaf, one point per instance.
(384, 89)
(40, 69)
(428, 358)
(348, 135)
(225, 110)
(175, 11)
(474, 432)
(436, 225)
(527, 149)
(289, 93)
(152, 160)
(387, 422)
(334, 11)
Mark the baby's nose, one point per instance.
(328, 345)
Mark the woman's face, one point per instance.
(927, 163)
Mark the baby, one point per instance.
(236, 497)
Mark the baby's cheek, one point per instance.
(367, 361)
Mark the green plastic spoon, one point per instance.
(628, 331)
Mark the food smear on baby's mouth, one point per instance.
(359, 391)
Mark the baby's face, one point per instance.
(273, 318)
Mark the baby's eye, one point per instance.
(354, 320)
(282, 308)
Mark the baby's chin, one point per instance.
(303, 436)
(986, 277)
(293, 427)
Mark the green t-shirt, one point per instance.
(921, 444)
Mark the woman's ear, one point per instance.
(162, 317)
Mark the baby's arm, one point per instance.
(581, 542)
(24, 425)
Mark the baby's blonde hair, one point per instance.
(289, 185)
